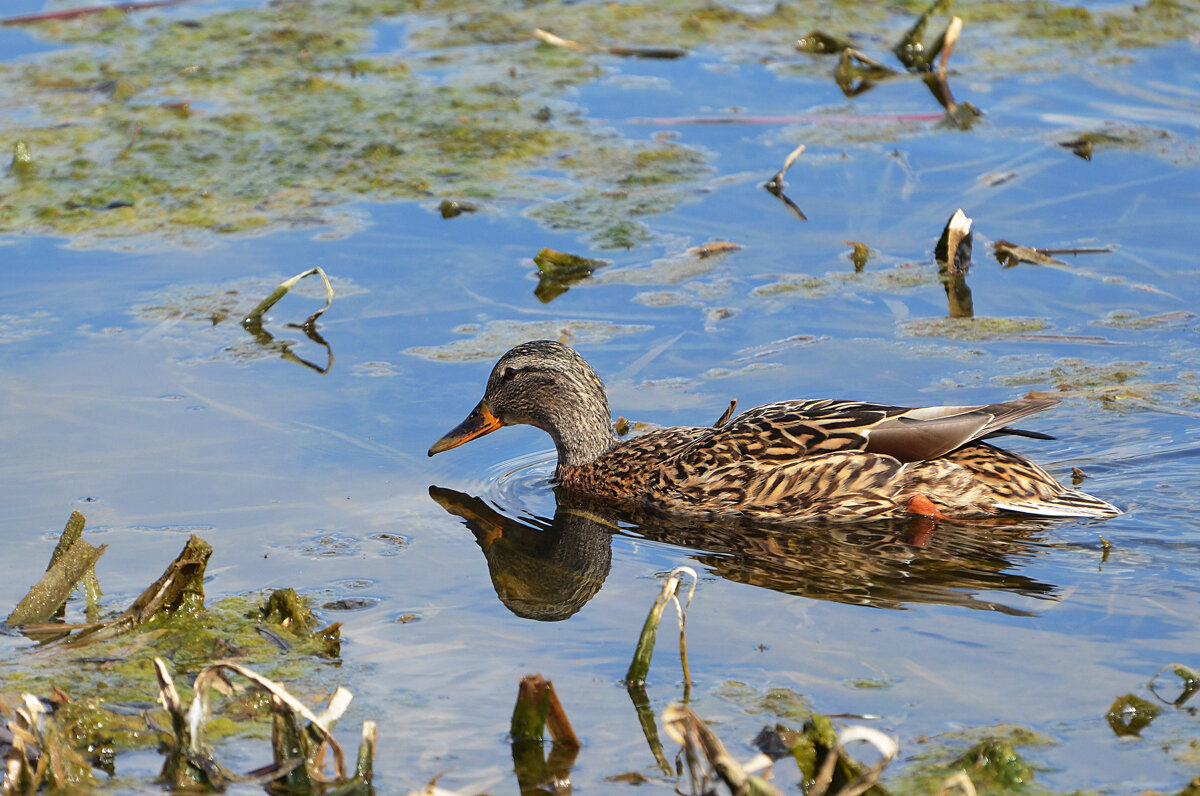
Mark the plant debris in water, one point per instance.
(557, 271)
(243, 120)
(91, 695)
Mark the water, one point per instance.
(156, 424)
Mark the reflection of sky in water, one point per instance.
(154, 419)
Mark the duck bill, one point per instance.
(481, 421)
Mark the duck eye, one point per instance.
(508, 375)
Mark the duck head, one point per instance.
(547, 385)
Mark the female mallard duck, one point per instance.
(792, 460)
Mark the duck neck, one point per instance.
(582, 434)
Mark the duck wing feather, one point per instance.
(788, 430)
(917, 435)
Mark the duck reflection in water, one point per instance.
(547, 569)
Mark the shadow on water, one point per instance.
(547, 569)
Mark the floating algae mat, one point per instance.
(184, 124)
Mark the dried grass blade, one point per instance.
(690, 731)
(558, 41)
(953, 31)
(205, 680)
(959, 782)
(255, 316)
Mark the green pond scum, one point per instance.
(102, 681)
(184, 124)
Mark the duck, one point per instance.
(788, 461)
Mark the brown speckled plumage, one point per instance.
(785, 461)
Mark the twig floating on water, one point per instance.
(875, 118)
(776, 182)
(74, 13)
(625, 52)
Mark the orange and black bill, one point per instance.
(481, 421)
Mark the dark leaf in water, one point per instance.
(1130, 714)
(559, 270)
(818, 42)
(451, 209)
(856, 73)
(860, 255)
(1080, 147)
(1009, 254)
(912, 49)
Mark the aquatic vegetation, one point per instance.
(489, 340)
(101, 700)
(244, 120)
(974, 328)
(904, 276)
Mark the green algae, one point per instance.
(972, 329)
(488, 341)
(989, 755)
(779, 703)
(245, 120)
(1133, 138)
(1131, 319)
(904, 276)
(109, 677)
(1077, 374)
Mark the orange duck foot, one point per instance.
(923, 507)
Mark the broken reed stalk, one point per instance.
(689, 731)
(558, 41)
(298, 764)
(953, 31)
(960, 783)
(887, 748)
(364, 767)
(180, 587)
(538, 709)
(55, 763)
(255, 317)
(72, 561)
(640, 665)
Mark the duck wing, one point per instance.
(917, 435)
(788, 430)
